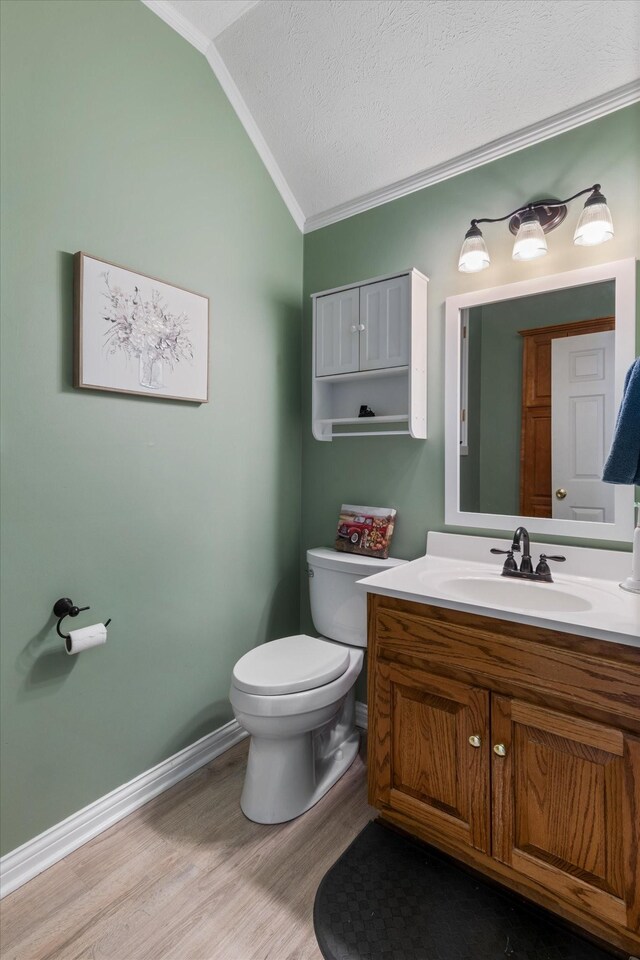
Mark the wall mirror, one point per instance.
(534, 377)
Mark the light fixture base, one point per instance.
(550, 216)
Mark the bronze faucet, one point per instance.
(521, 544)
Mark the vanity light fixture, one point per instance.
(530, 223)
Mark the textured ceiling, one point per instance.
(353, 95)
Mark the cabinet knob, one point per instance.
(361, 326)
(475, 740)
(500, 750)
(354, 328)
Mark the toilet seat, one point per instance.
(290, 665)
(296, 704)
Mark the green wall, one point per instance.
(181, 522)
(425, 230)
(496, 427)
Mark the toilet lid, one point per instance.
(290, 665)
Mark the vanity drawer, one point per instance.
(498, 652)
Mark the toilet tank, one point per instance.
(338, 604)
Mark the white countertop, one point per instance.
(452, 575)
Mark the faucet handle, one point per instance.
(543, 569)
(509, 565)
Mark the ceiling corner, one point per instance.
(175, 20)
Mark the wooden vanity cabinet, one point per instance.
(431, 774)
(515, 749)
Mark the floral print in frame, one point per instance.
(135, 334)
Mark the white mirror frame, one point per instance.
(624, 274)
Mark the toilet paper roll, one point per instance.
(85, 638)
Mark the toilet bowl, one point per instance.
(295, 696)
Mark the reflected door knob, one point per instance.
(561, 493)
(500, 750)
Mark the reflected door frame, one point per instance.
(535, 436)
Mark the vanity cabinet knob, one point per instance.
(561, 493)
(475, 740)
(354, 328)
(500, 750)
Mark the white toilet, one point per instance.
(295, 696)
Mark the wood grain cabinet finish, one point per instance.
(474, 749)
(565, 810)
(430, 770)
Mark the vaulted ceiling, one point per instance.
(352, 102)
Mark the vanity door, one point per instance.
(429, 752)
(566, 806)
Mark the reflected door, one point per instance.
(536, 492)
(582, 374)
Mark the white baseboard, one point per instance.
(361, 715)
(27, 861)
(34, 856)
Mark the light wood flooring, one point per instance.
(188, 877)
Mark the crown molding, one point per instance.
(164, 10)
(245, 116)
(175, 20)
(535, 133)
(511, 143)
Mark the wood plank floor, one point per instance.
(188, 877)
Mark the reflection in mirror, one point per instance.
(538, 404)
(501, 463)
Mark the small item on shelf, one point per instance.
(366, 411)
(365, 530)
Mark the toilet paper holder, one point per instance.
(64, 607)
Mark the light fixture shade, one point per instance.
(474, 255)
(595, 224)
(530, 241)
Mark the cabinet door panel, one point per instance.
(566, 806)
(385, 315)
(421, 762)
(337, 336)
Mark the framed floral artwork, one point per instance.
(136, 334)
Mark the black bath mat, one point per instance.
(389, 898)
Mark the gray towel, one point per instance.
(623, 462)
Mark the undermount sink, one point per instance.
(508, 592)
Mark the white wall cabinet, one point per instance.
(385, 323)
(337, 337)
(370, 349)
